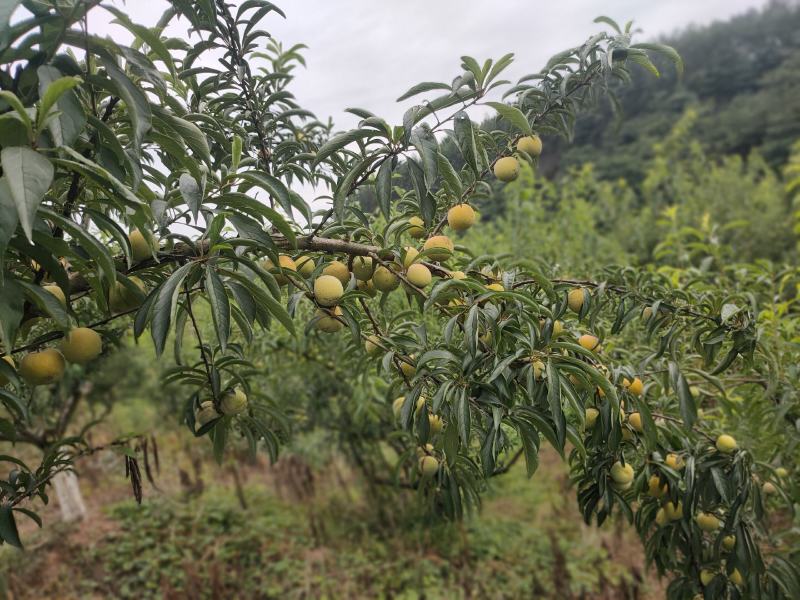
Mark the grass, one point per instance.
(527, 541)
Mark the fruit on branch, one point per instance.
(408, 368)
(328, 290)
(726, 444)
(736, 577)
(661, 517)
(206, 413)
(435, 424)
(57, 292)
(635, 421)
(338, 270)
(384, 279)
(141, 249)
(81, 345)
(538, 372)
(327, 321)
(423, 450)
(706, 576)
(707, 521)
(768, 489)
(575, 299)
(506, 169)
(410, 255)
(234, 403)
(439, 248)
(363, 268)
(591, 415)
(674, 462)
(428, 466)
(121, 299)
(43, 367)
(635, 387)
(729, 542)
(419, 275)
(781, 472)
(655, 488)
(457, 275)
(285, 262)
(368, 287)
(397, 406)
(622, 475)
(674, 511)
(589, 342)
(305, 266)
(10, 361)
(530, 144)
(461, 217)
(371, 344)
(417, 227)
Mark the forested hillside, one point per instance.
(742, 75)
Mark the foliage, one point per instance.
(156, 179)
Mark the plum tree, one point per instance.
(198, 148)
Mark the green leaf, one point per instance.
(135, 101)
(425, 86)
(15, 103)
(465, 137)
(340, 141)
(425, 142)
(8, 527)
(272, 185)
(451, 180)
(164, 306)
(220, 306)
(608, 21)
(554, 400)
(667, 51)
(50, 90)
(513, 115)
(236, 153)
(144, 34)
(56, 91)
(383, 186)
(681, 387)
(29, 175)
(8, 219)
(46, 302)
(92, 246)
(191, 193)
(463, 418)
(12, 303)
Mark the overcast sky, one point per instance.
(365, 53)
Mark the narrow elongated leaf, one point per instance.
(220, 306)
(135, 101)
(93, 247)
(8, 527)
(420, 88)
(163, 311)
(191, 193)
(56, 92)
(29, 175)
(513, 115)
(465, 137)
(338, 142)
(8, 219)
(383, 187)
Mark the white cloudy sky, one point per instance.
(365, 53)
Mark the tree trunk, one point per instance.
(69, 496)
